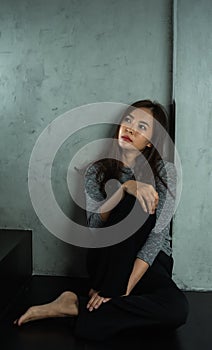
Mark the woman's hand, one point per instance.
(95, 301)
(91, 292)
(145, 193)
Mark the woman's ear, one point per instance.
(149, 145)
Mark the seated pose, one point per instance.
(131, 284)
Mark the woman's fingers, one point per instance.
(92, 292)
(147, 197)
(148, 202)
(98, 302)
(91, 300)
(145, 193)
(156, 200)
(142, 202)
(105, 300)
(94, 302)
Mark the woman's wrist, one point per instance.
(111, 203)
(124, 187)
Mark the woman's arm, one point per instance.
(139, 269)
(153, 245)
(97, 207)
(98, 213)
(145, 193)
(164, 214)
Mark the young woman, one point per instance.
(130, 281)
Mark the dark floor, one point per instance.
(56, 334)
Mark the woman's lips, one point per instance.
(126, 138)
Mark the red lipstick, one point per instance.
(126, 138)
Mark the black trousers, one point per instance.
(155, 301)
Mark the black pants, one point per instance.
(155, 301)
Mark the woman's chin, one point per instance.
(128, 146)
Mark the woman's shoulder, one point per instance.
(166, 169)
(95, 170)
(93, 167)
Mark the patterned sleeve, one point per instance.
(94, 196)
(164, 213)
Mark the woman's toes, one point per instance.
(64, 305)
(28, 315)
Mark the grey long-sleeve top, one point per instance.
(159, 238)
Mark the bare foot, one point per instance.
(65, 305)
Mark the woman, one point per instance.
(131, 284)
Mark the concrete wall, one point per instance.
(192, 245)
(57, 55)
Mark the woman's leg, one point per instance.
(119, 261)
(110, 267)
(65, 305)
(97, 258)
(160, 304)
(163, 308)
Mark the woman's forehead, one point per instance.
(140, 114)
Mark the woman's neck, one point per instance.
(128, 159)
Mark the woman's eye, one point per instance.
(127, 119)
(142, 127)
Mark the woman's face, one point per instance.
(136, 130)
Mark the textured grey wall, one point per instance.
(193, 90)
(57, 55)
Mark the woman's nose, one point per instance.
(130, 130)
